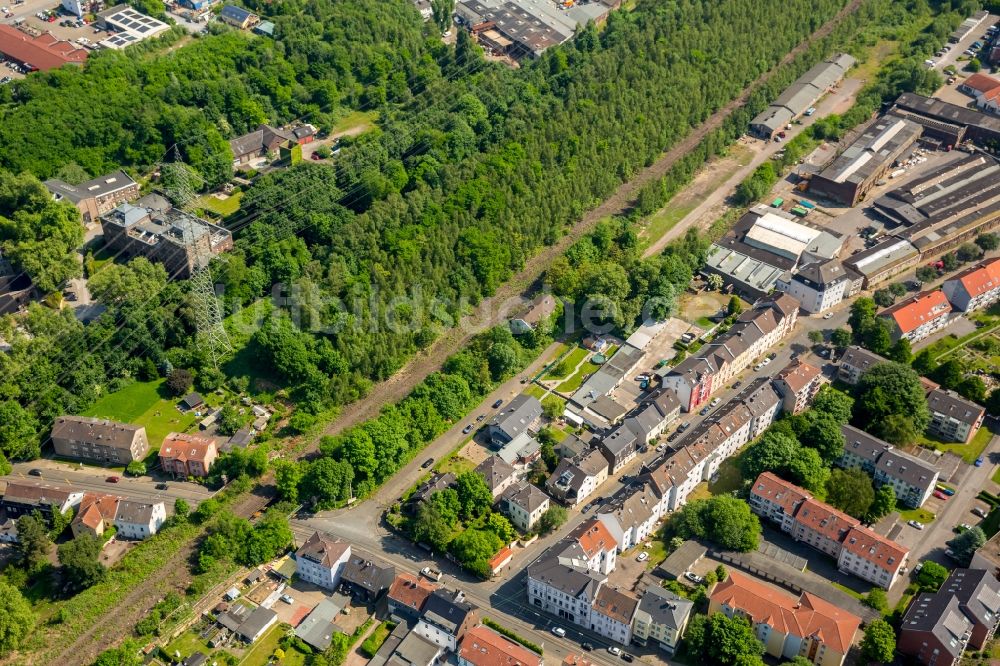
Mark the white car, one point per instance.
(287, 599)
(828, 315)
(694, 578)
(643, 556)
(716, 401)
(914, 524)
(615, 650)
(766, 361)
(559, 631)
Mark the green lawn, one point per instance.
(996, 476)
(920, 515)
(143, 403)
(567, 364)
(576, 380)
(844, 588)
(970, 451)
(554, 399)
(355, 119)
(263, 648)
(455, 464)
(535, 391)
(729, 479)
(187, 644)
(221, 207)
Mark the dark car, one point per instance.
(497, 404)
(427, 463)
(704, 410)
(35, 472)
(467, 429)
(587, 646)
(480, 418)
(737, 384)
(162, 486)
(112, 479)
(673, 437)
(684, 426)
(627, 657)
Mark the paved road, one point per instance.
(93, 479)
(951, 57)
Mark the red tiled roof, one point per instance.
(798, 375)
(178, 446)
(916, 311)
(825, 520)
(43, 52)
(809, 616)
(96, 507)
(878, 550)
(593, 537)
(788, 496)
(980, 82)
(410, 591)
(983, 277)
(501, 558)
(482, 646)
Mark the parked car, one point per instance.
(673, 437)
(945, 489)
(559, 631)
(979, 461)
(940, 495)
(35, 472)
(427, 463)
(916, 569)
(915, 524)
(626, 657)
(287, 599)
(949, 553)
(828, 315)
(497, 404)
(643, 556)
(480, 418)
(112, 479)
(315, 156)
(694, 578)
(433, 574)
(162, 486)
(684, 426)
(467, 429)
(615, 650)
(660, 448)
(586, 646)
(704, 410)
(738, 384)
(979, 512)
(962, 527)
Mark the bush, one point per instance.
(504, 631)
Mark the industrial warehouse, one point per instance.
(799, 97)
(849, 177)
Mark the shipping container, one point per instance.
(798, 210)
(805, 203)
(777, 202)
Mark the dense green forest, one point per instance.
(472, 168)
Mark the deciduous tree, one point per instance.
(16, 619)
(879, 643)
(850, 490)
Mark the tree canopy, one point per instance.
(723, 519)
(891, 404)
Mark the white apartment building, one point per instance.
(524, 504)
(139, 520)
(321, 560)
(612, 613)
(975, 288)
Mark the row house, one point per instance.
(620, 447)
(407, 596)
(798, 383)
(855, 362)
(975, 288)
(131, 520)
(563, 589)
(632, 517)
(98, 440)
(858, 550)
(661, 617)
(652, 417)
(787, 626)
(23, 497)
(953, 418)
(612, 613)
(911, 479)
(755, 332)
(575, 479)
(918, 317)
(446, 618)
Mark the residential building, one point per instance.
(855, 362)
(883, 260)
(917, 317)
(498, 474)
(911, 479)
(321, 560)
(619, 448)
(953, 418)
(762, 402)
(482, 646)
(661, 617)
(817, 286)
(798, 383)
(21, 497)
(365, 579)
(755, 332)
(590, 405)
(95, 197)
(8, 531)
(187, 455)
(407, 648)
(446, 618)
(858, 550)
(934, 630)
(632, 516)
(258, 621)
(974, 288)
(519, 416)
(408, 594)
(978, 594)
(238, 17)
(139, 520)
(95, 514)
(318, 628)
(563, 588)
(152, 228)
(978, 83)
(264, 141)
(612, 613)
(503, 557)
(436, 483)
(788, 627)
(849, 177)
(524, 504)
(98, 440)
(575, 479)
(521, 451)
(40, 52)
(653, 416)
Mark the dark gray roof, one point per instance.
(607, 408)
(96, 431)
(859, 443)
(645, 421)
(319, 626)
(518, 415)
(620, 439)
(98, 187)
(368, 573)
(875, 149)
(192, 400)
(257, 620)
(940, 615)
(433, 485)
(234, 13)
(446, 610)
(860, 358)
(568, 579)
(665, 608)
(323, 549)
(135, 512)
(978, 594)
(949, 403)
(759, 396)
(496, 471)
(821, 275)
(526, 496)
(906, 468)
(196, 659)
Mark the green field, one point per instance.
(562, 369)
(221, 207)
(356, 119)
(535, 391)
(187, 644)
(263, 648)
(969, 452)
(576, 380)
(145, 404)
(920, 515)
